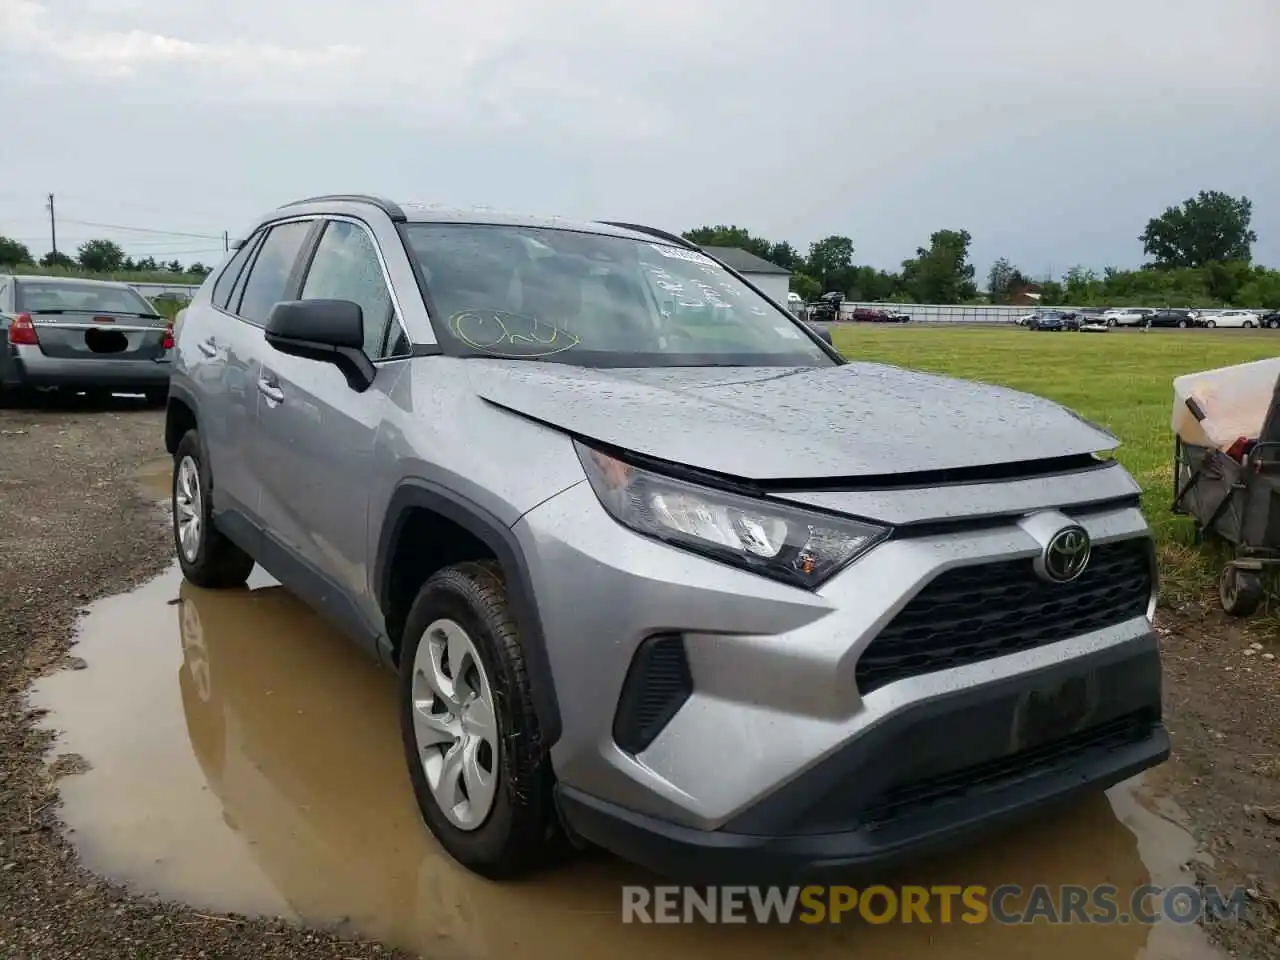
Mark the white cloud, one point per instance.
(30, 29)
(882, 119)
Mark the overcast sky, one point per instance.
(1050, 130)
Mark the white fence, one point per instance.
(943, 313)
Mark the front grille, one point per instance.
(974, 613)
(969, 782)
(657, 685)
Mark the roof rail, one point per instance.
(390, 208)
(653, 232)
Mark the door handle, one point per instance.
(268, 389)
(208, 347)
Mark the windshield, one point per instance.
(50, 296)
(531, 293)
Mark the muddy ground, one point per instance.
(74, 526)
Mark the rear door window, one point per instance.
(269, 276)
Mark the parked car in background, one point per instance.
(90, 336)
(1093, 324)
(1233, 318)
(1127, 316)
(606, 552)
(877, 315)
(1170, 318)
(1050, 320)
(826, 308)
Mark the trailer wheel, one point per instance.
(1240, 591)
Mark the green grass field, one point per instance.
(1122, 380)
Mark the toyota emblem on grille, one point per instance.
(1065, 555)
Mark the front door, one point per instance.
(316, 436)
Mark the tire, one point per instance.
(1182, 324)
(211, 561)
(1210, 324)
(1240, 591)
(1273, 324)
(516, 832)
(1248, 324)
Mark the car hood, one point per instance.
(853, 420)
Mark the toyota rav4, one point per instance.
(658, 568)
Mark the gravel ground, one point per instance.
(74, 527)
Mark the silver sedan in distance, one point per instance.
(79, 335)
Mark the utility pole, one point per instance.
(53, 228)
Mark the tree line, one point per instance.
(1200, 255)
(96, 256)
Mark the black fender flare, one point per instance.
(498, 537)
(185, 396)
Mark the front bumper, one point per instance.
(775, 678)
(934, 775)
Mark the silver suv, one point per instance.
(657, 568)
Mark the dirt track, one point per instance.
(74, 527)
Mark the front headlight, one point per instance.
(774, 540)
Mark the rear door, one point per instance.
(84, 320)
(231, 345)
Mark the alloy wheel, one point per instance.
(189, 506)
(455, 727)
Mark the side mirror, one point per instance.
(824, 333)
(327, 331)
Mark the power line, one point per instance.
(120, 226)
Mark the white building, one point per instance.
(774, 280)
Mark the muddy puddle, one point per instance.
(244, 757)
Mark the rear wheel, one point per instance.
(207, 557)
(1182, 324)
(479, 774)
(1210, 324)
(1273, 324)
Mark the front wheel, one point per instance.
(1182, 324)
(479, 773)
(1273, 324)
(208, 559)
(1210, 324)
